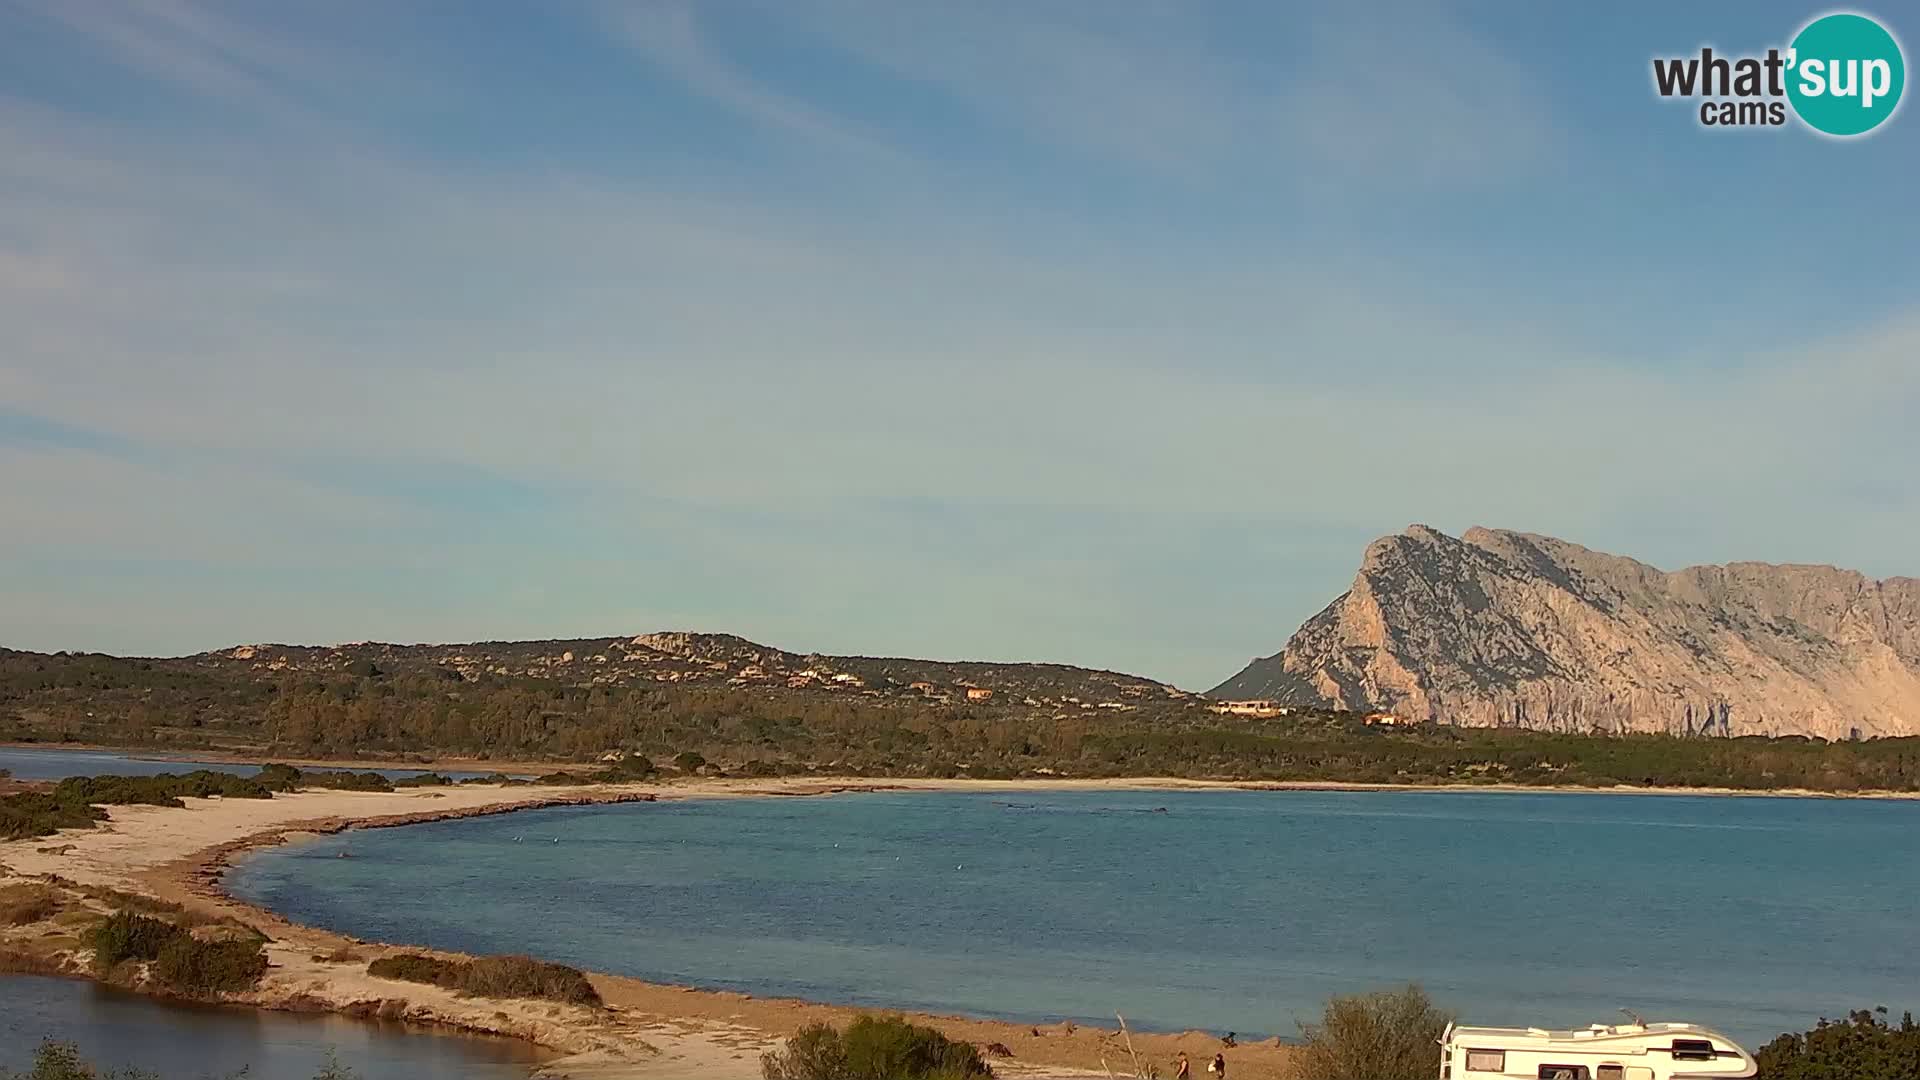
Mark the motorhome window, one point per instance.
(1610, 1072)
(1692, 1050)
(1563, 1072)
(1486, 1060)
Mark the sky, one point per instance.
(1105, 333)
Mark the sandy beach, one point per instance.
(647, 1030)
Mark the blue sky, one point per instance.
(1106, 333)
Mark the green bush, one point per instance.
(412, 967)
(1390, 1035)
(525, 977)
(492, 977)
(166, 789)
(126, 935)
(34, 813)
(1862, 1047)
(688, 761)
(74, 803)
(426, 779)
(210, 967)
(873, 1048)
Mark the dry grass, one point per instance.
(24, 905)
(20, 962)
(342, 955)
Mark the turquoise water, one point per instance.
(36, 763)
(118, 1030)
(1229, 911)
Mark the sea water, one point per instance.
(1221, 910)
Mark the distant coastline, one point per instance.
(701, 784)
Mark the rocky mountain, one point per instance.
(1506, 628)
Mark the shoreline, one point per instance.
(916, 783)
(649, 1029)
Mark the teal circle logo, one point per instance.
(1845, 74)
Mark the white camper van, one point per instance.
(1622, 1052)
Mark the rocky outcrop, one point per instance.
(1506, 628)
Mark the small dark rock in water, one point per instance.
(999, 1050)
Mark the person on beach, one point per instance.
(1218, 1066)
(1184, 1071)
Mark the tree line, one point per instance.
(761, 731)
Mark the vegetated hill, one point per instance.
(1506, 628)
(562, 699)
(694, 702)
(716, 660)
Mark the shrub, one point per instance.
(629, 766)
(166, 789)
(413, 967)
(491, 977)
(525, 977)
(688, 761)
(812, 1053)
(1389, 1035)
(210, 967)
(34, 813)
(426, 779)
(873, 1048)
(126, 935)
(1862, 1047)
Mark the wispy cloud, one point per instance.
(668, 33)
(190, 47)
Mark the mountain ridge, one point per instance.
(1505, 628)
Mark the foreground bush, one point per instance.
(204, 968)
(1392, 1035)
(127, 935)
(492, 977)
(873, 1048)
(180, 961)
(1862, 1047)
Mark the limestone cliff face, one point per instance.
(1506, 628)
